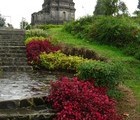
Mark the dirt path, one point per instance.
(128, 105)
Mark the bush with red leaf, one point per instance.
(34, 48)
(77, 100)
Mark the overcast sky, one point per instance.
(14, 10)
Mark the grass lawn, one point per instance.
(131, 65)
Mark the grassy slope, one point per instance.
(132, 77)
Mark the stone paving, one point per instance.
(21, 95)
(21, 85)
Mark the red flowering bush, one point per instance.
(34, 48)
(78, 100)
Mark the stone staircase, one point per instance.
(12, 51)
(21, 89)
(25, 109)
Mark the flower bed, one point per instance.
(77, 100)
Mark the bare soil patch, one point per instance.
(128, 105)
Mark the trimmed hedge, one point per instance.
(35, 33)
(35, 47)
(60, 61)
(82, 52)
(46, 26)
(105, 74)
(30, 39)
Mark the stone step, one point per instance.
(27, 114)
(13, 47)
(23, 103)
(13, 59)
(10, 37)
(12, 68)
(23, 63)
(12, 50)
(12, 40)
(7, 43)
(12, 34)
(2, 55)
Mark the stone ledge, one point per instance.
(24, 103)
(26, 114)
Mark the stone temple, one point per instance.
(54, 12)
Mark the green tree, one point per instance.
(137, 12)
(2, 21)
(23, 24)
(138, 4)
(111, 7)
(123, 8)
(99, 8)
(106, 7)
(10, 25)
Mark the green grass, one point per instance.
(103, 50)
(131, 65)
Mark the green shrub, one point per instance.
(137, 55)
(59, 61)
(133, 49)
(82, 52)
(115, 93)
(79, 27)
(28, 40)
(47, 26)
(35, 33)
(105, 74)
(114, 31)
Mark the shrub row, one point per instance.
(114, 31)
(41, 51)
(46, 26)
(77, 100)
(30, 39)
(60, 61)
(105, 74)
(36, 47)
(82, 52)
(35, 33)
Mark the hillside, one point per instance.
(129, 104)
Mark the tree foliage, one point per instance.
(99, 8)
(110, 7)
(123, 8)
(2, 21)
(138, 4)
(24, 24)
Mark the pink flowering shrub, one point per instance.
(35, 48)
(77, 100)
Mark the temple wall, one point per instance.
(54, 13)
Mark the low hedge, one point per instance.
(30, 39)
(82, 52)
(46, 26)
(105, 74)
(35, 33)
(60, 61)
